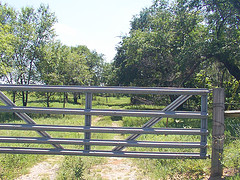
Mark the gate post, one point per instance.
(217, 133)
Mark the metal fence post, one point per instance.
(217, 133)
(88, 105)
(203, 151)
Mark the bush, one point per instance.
(71, 168)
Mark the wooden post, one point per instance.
(217, 133)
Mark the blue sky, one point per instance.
(94, 23)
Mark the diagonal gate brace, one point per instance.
(171, 107)
(26, 118)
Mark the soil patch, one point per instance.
(43, 170)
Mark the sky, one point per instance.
(98, 24)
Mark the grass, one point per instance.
(71, 168)
(74, 167)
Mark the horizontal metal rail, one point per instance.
(232, 113)
(91, 89)
(157, 155)
(122, 130)
(97, 142)
(105, 112)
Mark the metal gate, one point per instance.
(118, 145)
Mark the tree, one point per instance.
(30, 54)
(63, 65)
(7, 41)
(222, 21)
(32, 30)
(94, 61)
(108, 75)
(161, 47)
(168, 45)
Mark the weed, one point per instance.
(71, 168)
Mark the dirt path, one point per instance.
(43, 170)
(115, 169)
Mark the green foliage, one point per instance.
(30, 54)
(33, 31)
(134, 121)
(232, 154)
(12, 165)
(63, 65)
(236, 177)
(162, 47)
(94, 62)
(232, 129)
(183, 43)
(71, 168)
(7, 39)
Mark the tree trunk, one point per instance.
(14, 97)
(14, 101)
(48, 99)
(75, 98)
(66, 97)
(24, 98)
(231, 66)
(189, 73)
(64, 101)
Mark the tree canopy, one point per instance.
(170, 44)
(31, 54)
(182, 43)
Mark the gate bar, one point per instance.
(105, 112)
(157, 155)
(97, 142)
(94, 129)
(92, 89)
